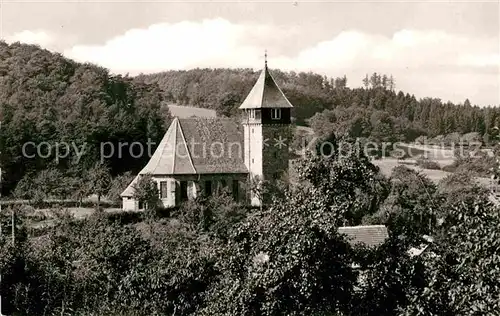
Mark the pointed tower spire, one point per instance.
(265, 93)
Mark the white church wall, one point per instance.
(195, 187)
(129, 204)
(169, 199)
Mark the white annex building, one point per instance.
(202, 155)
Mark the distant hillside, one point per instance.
(48, 99)
(375, 111)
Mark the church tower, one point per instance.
(267, 133)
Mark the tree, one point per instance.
(146, 191)
(76, 106)
(410, 210)
(366, 81)
(462, 274)
(391, 83)
(118, 185)
(98, 181)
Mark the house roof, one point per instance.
(265, 94)
(371, 236)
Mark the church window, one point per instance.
(163, 189)
(252, 113)
(184, 190)
(235, 190)
(208, 187)
(275, 114)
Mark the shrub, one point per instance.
(426, 163)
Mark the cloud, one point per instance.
(38, 37)
(420, 51)
(424, 62)
(210, 43)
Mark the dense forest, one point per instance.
(46, 98)
(376, 110)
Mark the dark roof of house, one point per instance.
(371, 236)
(265, 94)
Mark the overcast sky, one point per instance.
(449, 50)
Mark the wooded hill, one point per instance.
(45, 97)
(375, 109)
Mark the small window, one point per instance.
(235, 190)
(252, 130)
(163, 189)
(275, 114)
(252, 113)
(252, 160)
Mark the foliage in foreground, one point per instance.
(213, 258)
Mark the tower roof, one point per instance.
(265, 93)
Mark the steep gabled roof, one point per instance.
(371, 236)
(265, 94)
(172, 155)
(197, 146)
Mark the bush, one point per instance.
(426, 163)
(479, 164)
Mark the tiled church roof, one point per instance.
(197, 146)
(223, 145)
(265, 94)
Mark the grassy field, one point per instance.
(305, 129)
(188, 111)
(386, 166)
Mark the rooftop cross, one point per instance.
(265, 57)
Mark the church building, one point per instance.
(200, 155)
